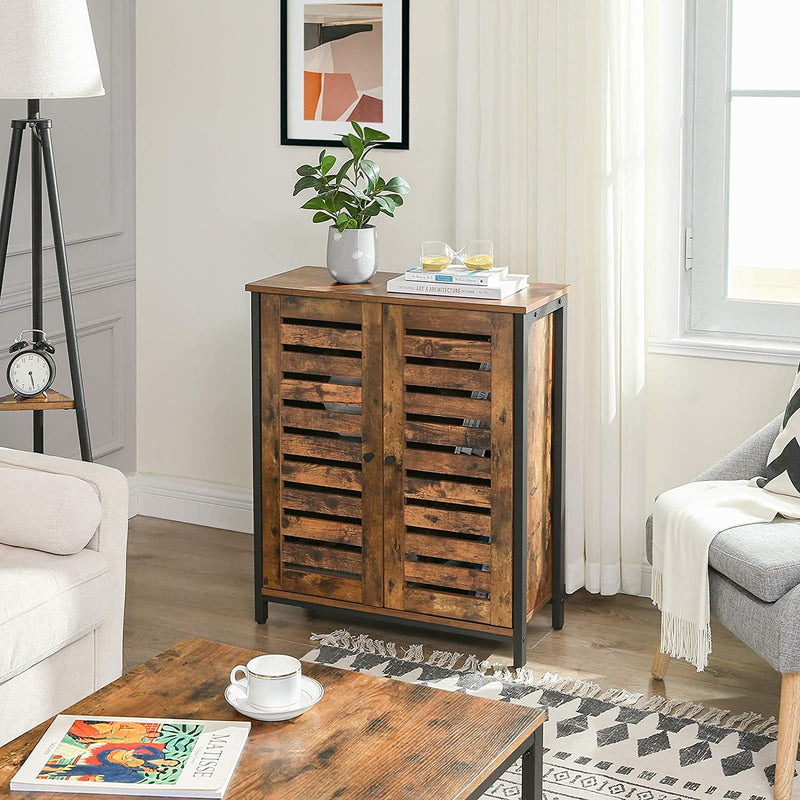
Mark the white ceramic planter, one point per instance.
(353, 255)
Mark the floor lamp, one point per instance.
(46, 51)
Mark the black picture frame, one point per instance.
(403, 144)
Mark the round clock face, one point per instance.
(29, 374)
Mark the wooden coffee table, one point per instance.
(369, 737)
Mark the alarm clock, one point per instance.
(32, 370)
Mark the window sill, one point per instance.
(727, 349)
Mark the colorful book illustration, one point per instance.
(459, 274)
(132, 755)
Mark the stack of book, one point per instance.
(456, 281)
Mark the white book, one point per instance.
(134, 756)
(512, 285)
(459, 274)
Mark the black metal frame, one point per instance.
(401, 145)
(522, 326)
(42, 155)
(532, 753)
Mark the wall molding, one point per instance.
(212, 505)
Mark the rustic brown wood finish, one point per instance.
(389, 455)
(368, 737)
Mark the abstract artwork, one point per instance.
(344, 62)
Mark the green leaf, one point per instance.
(315, 204)
(307, 182)
(371, 170)
(357, 129)
(306, 169)
(327, 164)
(385, 202)
(398, 201)
(355, 144)
(372, 210)
(322, 155)
(351, 223)
(371, 135)
(322, 216)
(342, 219)
(398, 186)
(380, 185)
(343, 170)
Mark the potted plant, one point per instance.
(349, 196)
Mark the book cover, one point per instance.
(134, 755)
(512, 285)
(459, 274)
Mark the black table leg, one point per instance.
(533, 767)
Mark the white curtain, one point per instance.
(551, 167)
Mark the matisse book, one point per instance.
(132, 755)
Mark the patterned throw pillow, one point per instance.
(782, 474)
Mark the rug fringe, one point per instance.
(552, 681)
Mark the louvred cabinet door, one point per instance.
(321, 448)
(448, 449)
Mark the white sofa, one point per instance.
(61, 615)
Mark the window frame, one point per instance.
(693, 316)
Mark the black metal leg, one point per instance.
(66, 292)
(533, 767)
(261, 611)
(8, 194)
(558, 452)
(519, 589)
(37, 300)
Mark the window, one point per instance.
(743, 215)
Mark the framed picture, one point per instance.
(343, 61)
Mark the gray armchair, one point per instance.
(755, 593)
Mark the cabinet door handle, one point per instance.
(368, 457)
(389, 460)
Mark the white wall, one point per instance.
(215, 211)
(698, 409)
(94, 152)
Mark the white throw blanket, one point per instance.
(685, 520)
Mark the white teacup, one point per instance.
(270, 681)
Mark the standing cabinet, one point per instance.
(408, 452)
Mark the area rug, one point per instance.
(599, 743)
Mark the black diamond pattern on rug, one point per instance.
(673, 724)
(566, 727)
(753, 741)
(653, 744)
(712, 733)
(592, 707)
(738, 762)
(699, 751)
(612, 735)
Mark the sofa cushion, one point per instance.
(46, 602)
(41, 510)
(763, 558)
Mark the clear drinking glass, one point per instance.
(436, 256)
(478, 254)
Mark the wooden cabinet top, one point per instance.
(316, 282)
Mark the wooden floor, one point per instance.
(187, 580)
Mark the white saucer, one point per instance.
(311, 693)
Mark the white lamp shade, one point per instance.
(47, 50)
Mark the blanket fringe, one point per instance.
(551, 681)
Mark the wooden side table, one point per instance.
(409, 452)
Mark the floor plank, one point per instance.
(187, 580)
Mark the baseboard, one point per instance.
(213, 505)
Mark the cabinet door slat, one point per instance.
(338, 505)
(316, 336)
(331, 559)
(325, 529)
(322, 475)
(446, 576)
(420, 516)
(466, 380)
(454, 435)
(467, 466)
(436, 405)
(451, 606)
(330, 447)
(446, 491)
(315, 419)
(316, 392)
(447, 349)
(439, 546)
(320, 364)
